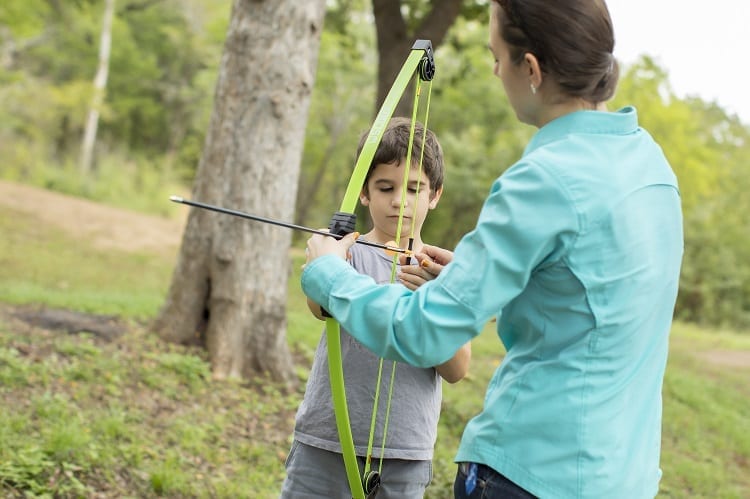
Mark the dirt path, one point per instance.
(106, 227)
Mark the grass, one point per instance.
(43, 264)
(86, 417)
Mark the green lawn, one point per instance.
(134, 417)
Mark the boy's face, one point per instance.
(382, 195)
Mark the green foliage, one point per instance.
(158, 98)
(340, 13)
(709, 152)
(116, 433)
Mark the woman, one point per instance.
(576, 252)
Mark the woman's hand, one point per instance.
(430, 262)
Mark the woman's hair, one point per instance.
(573, 41)
(394, 146)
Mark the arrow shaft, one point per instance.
(248, 216)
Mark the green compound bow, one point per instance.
(421, 65)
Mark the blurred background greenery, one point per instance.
(163, 66)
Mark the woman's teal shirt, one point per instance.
(577, 253)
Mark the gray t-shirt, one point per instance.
(415, 404)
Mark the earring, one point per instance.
(533, 89)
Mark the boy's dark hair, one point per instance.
(573, 41)
(393, 148)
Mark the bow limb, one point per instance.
(420, 58)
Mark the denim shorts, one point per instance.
(489, 485)
(317, 473)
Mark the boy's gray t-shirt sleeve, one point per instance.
(416, 398)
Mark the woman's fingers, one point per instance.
(413, 276)
(437, 254)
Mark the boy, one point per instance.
(315, 466)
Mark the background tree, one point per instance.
(395, 37)
(229, 286)
(100, 85)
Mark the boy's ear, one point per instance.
(435, 198)
(364, 198)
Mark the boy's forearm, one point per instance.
(457, 367)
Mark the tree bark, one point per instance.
(229, 287)
(395, 41)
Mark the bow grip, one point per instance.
(342, 223)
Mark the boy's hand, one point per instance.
(319, 245)
(431, 261)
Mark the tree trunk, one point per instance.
(395, 41)
(229, 287)
(100, 84)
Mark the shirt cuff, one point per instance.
(319, 276)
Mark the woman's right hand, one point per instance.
(430, 259)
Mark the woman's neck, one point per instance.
(554, 111)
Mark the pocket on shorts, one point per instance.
(289, 456)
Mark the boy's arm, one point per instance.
(457, 367)
(315, 309)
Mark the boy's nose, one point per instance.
(396, 201)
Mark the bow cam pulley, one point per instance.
(427, 64)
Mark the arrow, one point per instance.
(241, 214)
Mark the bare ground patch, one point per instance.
(105, 226)
(728, 358)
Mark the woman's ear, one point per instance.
(435, 198)
(535, 70)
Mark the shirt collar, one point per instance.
(620, 122)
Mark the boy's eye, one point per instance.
(385, 189)
(413, 190)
